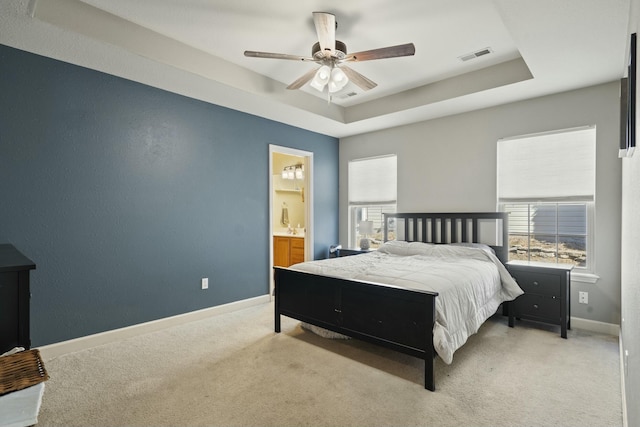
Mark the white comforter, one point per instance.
(470, 280)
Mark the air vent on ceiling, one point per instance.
(347, 95)
(476, 54)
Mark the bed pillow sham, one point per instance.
(482, 246)
(401, 247)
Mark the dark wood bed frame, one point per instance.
(390, 316)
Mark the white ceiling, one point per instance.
(195, 47)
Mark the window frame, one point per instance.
(589, 230)
(353, 235)
(577, 146)
(385, 200)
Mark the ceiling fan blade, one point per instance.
(384, 52)
(254, 54)
(326, 29)
(303, 79)
(358, 79)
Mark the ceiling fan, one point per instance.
(331, 55)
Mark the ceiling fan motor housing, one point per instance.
(340, 50)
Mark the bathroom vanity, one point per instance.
(287, 250)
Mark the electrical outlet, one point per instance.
(583, 297)
(205, 283)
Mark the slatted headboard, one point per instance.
(490, 228)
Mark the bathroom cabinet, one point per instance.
(287, 250)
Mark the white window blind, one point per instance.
(373, 181)
(550, 166)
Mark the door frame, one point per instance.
(308, 206)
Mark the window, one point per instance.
(547, 184)
(548, 232)
(372, 192)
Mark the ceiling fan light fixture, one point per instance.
(321, 78)
(338, 80)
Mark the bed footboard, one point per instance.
(393, 317)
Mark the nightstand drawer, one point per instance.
(538, 307)
(538, 283)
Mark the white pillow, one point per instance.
(482, 246)
(401, 247)
(394, 247)
(419, 248)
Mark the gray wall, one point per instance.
(449, 164)
(631, 285)
(125, 196)
(630, 324)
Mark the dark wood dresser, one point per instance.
(14, 298)
(547, 290)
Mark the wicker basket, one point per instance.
(21, 370)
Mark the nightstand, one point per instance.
(352, 251)
(14, 298)
(547, 290)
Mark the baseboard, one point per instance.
(52, 351)
(625, 422)
(595, 326)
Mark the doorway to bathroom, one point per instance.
(290, 207)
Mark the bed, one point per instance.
(434, 281)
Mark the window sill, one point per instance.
(584, 277)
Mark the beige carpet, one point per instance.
(232, 370)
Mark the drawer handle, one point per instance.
(535, 283)
(337, 311)
(535, 306)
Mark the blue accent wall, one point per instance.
(125, 195)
